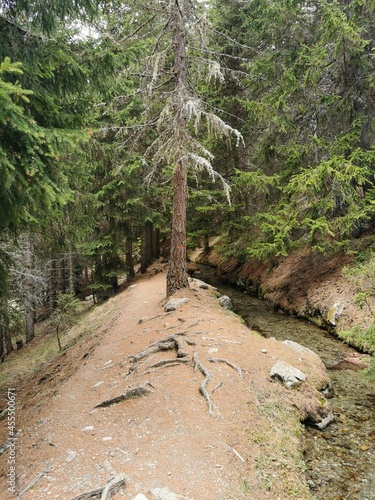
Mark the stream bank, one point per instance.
(310, 286)
(339, 460)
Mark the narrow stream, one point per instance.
(341, 459)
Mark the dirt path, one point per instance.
(237, 436)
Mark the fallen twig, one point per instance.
(31, 483)
(229, 363)
(236, 453)
(104, 492)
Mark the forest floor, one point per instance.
(178, 401)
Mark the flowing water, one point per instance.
(341, 459)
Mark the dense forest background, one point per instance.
(263, 109)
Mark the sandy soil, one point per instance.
(246, 446)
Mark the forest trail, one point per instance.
(187, 406)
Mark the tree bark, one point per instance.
(146, 249)
(177, 276)
(71, 264)
(156, 243)
(129, 263)
(29, 291)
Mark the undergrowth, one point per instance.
(362, 275)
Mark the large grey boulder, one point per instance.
(298, 347)
(290, 376)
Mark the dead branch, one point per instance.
(31, 483)
(104, 492)
(229, 363)
(236, 453)
(113, 486)
(208, 377)
(137, 392)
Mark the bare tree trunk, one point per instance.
(71, 286)
(129, 264)
(7, 335)
(156, 243)
(146, 249)
(2, 353)
(177, 276)
(60, 284)
(206, 243)
(52, 284)
(29, 290)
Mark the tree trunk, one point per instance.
(206, 243)
(71, 286)
(129, 264)
(146, 249)
(177, 276)
(29, 291)
(61, 275)
(2, 354)
(156, 244)
(7, 335)
(52, 284)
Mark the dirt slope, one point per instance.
(246, 446)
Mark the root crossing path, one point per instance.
(155, 401)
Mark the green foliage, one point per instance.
(362, 275)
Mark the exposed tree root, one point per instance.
(217, 386)
(144, 320)
(162, 345)
(104, 492)
(167, 362)
(229, 363)
(202, 388)
(137, 392)
(167, 344)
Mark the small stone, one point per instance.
(88, 428)
(140, 496)
(212, 350)
(165, 494)
(264, 351)
(71, 456)
(173, 304)
(97, 384)
(225, 302)
(107, 438)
